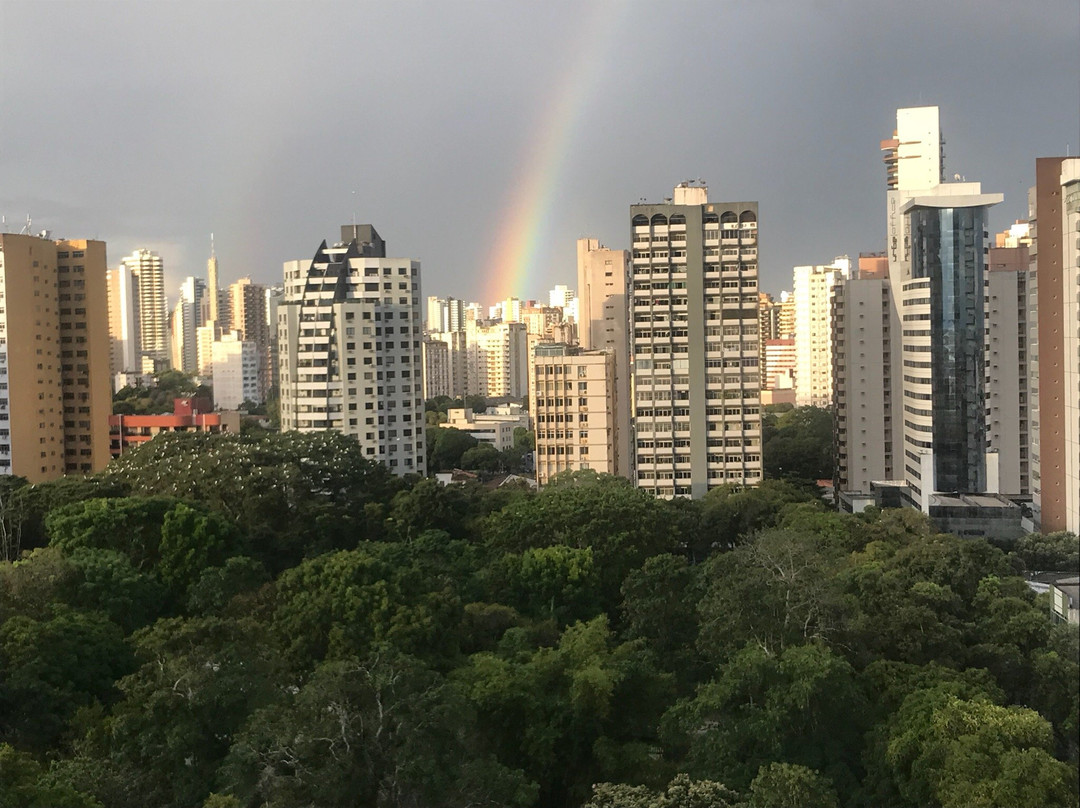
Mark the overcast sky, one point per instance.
(483, 138)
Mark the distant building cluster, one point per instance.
(950, 360)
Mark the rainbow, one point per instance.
(525, 228)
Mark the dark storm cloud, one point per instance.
(273, 123)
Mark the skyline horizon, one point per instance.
(484, 141)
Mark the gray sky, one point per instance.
(485, 137)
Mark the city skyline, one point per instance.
(485, 140)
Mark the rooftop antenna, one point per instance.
(211, 245)
(26, 231)
(354, 212)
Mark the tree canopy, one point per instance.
(272, 620)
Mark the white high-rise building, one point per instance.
(187, 316)
(349, 328)
(812, 291)
(148, 271)
(498, 365)
(930, 411)
(445, 314)
(123, 303)
(236, 371)
(694, 311)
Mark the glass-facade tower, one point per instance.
(948, 250)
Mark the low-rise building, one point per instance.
(495, 426)
(189, 415)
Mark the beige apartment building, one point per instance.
(603, 325)
(813, 286)
(247, 306)
(573, 400)
(55, 395)
(498, 359)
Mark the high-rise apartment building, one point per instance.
(812, 292)
(864, 388)
(1054, 361)
(191, 311)
(445, 314)
(456, 379)
(349, 329)
(436, 356)
(247, 308)
(694, 313)
(574, 403)
(924, 421)
(55, 394)
(237, 371)
(498, 359)
(943, 344)
(1007, 394)
(148, 272)
(213, 288)
(603, 276)
(123, 296)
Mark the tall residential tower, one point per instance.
(694, 314)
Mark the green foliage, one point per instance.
(546, 711)
(197, 682)
(129, 525)
(483, 457)
(778, 590)
(190, 542)
(955, 752)
(22, 784)
(111, 584)
(620, 524)
(802, 705)
(1054, 552)
(787, 785)
(289, 494)
(681, 792)
(730, 515)
(559, 583)
(217, 586)
(446, 446)
(158, 398)
(390, 642)
(798, 444)
(54, 665)
(382, 731)
(344, 604)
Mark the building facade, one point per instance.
(148, 272)
(812, 292)
(498, 359)
(247, 307)
(189, 415)
(603, 325)
(694, 313)
(1007, 394)
(1055, 356)
(237, 371)
(349, 328)
(55, 392)
(574, 403)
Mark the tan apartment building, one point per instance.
(604, 319)
(55, 395)
(573, 400)
(1054, 207)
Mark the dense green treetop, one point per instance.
(273, 620)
